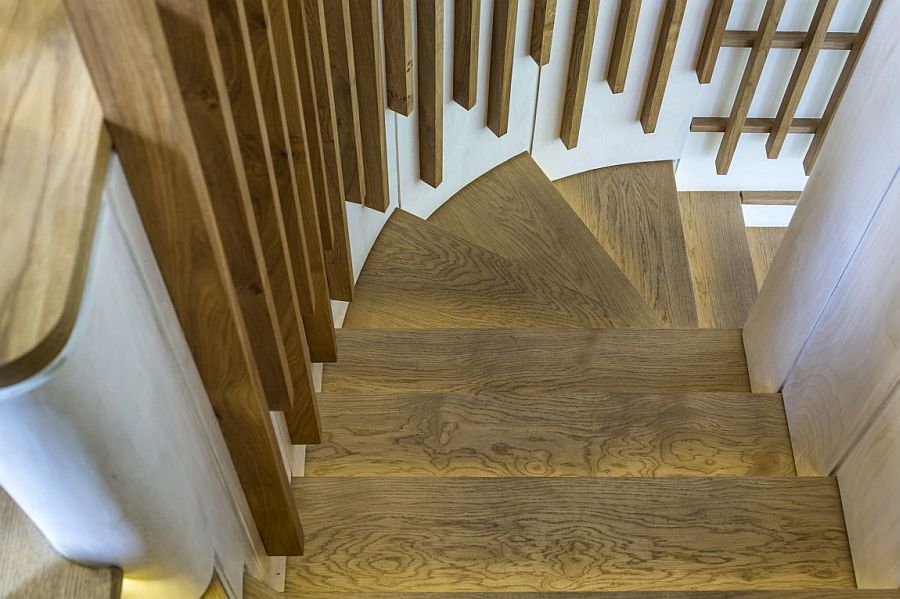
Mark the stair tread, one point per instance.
(538, 360)
(633, 212)
(515, 211)
(762, 594)
(420, 276)
(569, 534)
(551, 434)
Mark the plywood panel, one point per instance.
(503, 41)
(721, 266)
(764, 243)
(398, 55)
(579, 66)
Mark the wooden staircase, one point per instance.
(524, 408)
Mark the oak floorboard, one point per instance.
(779, 594)
(419, 276)
(721, 266)
(569, 534)
(538, 360)
(515, 212)
(552, 434)
(633, 212)
(764, 243)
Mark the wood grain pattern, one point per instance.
(54, 158)
(538, 361)
(818, 28)
(712, 39)
(632, 210)
(721, 266)
(430, 56)
(768, 24)
(776, 198)
(346, 101)
(673, 14)
(398, 55)
(503, 43)
(466, 36)
(307, 99)
(575, 534)
(840, 87)
(187, 26)
(715, 124)
(764, 243)
(622, 44)
(779, 594)
(552, 434)
(419, 276)
(30, 566)
(164, 173)
(370, 90)
(579, 66)
(338, 261)
(542, 22)
(834, 40)
(515, 212)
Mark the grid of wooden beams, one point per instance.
(466, 30)
(542, 22)
(623, 42)
(398, 59)
(503, 42)
(796, 40)
(579, 65)
(662, 63)
(717, 124)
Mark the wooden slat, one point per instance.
(310, 114)
(398, 55)
(623, 42)
(346, 102)
(799, 77)
(503, 42)
(764, 243)
(367, 50)
(200, 77)
(795, 40)
(127, 54)
(767, 26)
(338, 265)
(542, 22)
(790, 198)
(717, 124)
(721, 265)
(712, 39)
(662, 63)
(841, 86)
(466, 33)
(430, 56)
(579, 65)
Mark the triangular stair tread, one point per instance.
(419, 276)
(538, 360)
(573, 534)
(516, 212)
(632, 210)
(552, 434)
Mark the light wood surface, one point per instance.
(165, 176)
(633, 212)
(779, 594)
(503, 43)
(367, 49)
(716, 124)
(515, 212)
(840, 87)
(712, 39)
(419, 276)
(576, 534)
(346, 101)
(768, 25)
(800, 76)
(552, 434)
(466, 36)
(583, 33)
(54, 159)
(721, 265)
(256, 589)
(538, 361)
(542, 22)
(430, 56)
(764, 243)
(834, 40)
(30, 568)
(398, 55)
(784, 198)
(663, 56)
(622, 44)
